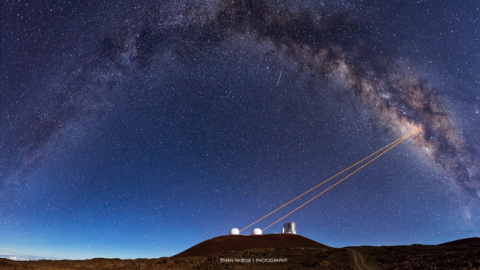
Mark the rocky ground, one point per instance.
(461, 254)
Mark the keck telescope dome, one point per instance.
(257, 231)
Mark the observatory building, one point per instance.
(289, 228)
(257, 231)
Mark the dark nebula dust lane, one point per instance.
(116, 107)
(336, 45)
(327, 44)
(333, 44)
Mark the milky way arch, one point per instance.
(326, 42)
(329, 43)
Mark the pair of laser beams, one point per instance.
(380, 152)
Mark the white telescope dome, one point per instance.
(234, 231)
(256, 231)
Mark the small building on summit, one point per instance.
(289, 228)
(257, 231)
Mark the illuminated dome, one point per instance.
(256, 231)
(234, 231)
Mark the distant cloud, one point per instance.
(14, 257)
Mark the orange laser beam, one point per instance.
(390, 148)
(301, 195)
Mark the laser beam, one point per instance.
(394, 143)
(361, 167)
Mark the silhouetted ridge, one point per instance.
(472, 242)
(242, 242)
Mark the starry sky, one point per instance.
(140, 128)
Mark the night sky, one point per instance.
(140, 129)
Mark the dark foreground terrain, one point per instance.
(277, 251)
